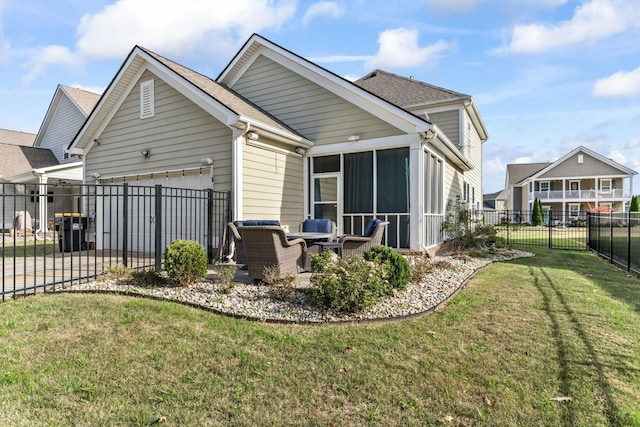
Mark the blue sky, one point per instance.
(547, 75)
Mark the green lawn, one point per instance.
(27, 248)
(510, 349)
(538, 236)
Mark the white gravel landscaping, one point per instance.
(252, 301)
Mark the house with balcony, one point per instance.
(576, 183)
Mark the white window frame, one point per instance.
(547, 183)
(147, 101)
(609, 181)
(574, 210)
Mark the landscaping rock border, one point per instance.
(252, 301)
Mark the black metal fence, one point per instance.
(616, 237)
(55, 234)
(553, 229)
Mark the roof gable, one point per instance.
(385, 110)
(609, 165)
(84, 102)
(518, 172)
(221, 102)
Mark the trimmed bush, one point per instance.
(185, 262)
(397, 266)
(347, 286)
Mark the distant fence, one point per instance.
(616, 237)
(55, 234)
(556, 230)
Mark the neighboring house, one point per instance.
(68, 110)
(289, 139)
(17, 155)
(573, 184)
(492, 205)
(47, 162)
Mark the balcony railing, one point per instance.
(579, 195)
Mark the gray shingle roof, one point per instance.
(13, 137)
(520, 171)
(405, 92)
(83, 98)
(16, 158)
(229, 98)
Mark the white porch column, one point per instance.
(416, 202)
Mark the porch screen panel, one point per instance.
(393, 180)
(358, 182)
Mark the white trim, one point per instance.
(364, 145)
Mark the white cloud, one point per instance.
(339, 58)
(351, 77)
(326, 8)
(94, 89)
(633, 143)
(174, 28)
(399, 48)
(50, 56)
(523, 160)
(592, 20)
(620, 84)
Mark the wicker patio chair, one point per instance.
(360, 244)
(238, 246)
(267, 246)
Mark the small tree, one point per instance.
(635, 205)
(537, 217)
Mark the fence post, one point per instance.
(628, 241)
(610, 237)
(210, 225)
(508, 221)
(158, 228)
(125, 224)
(550, 225)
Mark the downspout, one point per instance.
(236, 170)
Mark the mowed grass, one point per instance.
(550, 340)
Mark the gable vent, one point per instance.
(146, 99)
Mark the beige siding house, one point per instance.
(289, 140)
(48, 166)
(579, 181)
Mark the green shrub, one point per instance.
(347, 286)
(397, 266)
(185, 262)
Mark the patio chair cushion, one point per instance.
(317, 225)
(371, 227)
